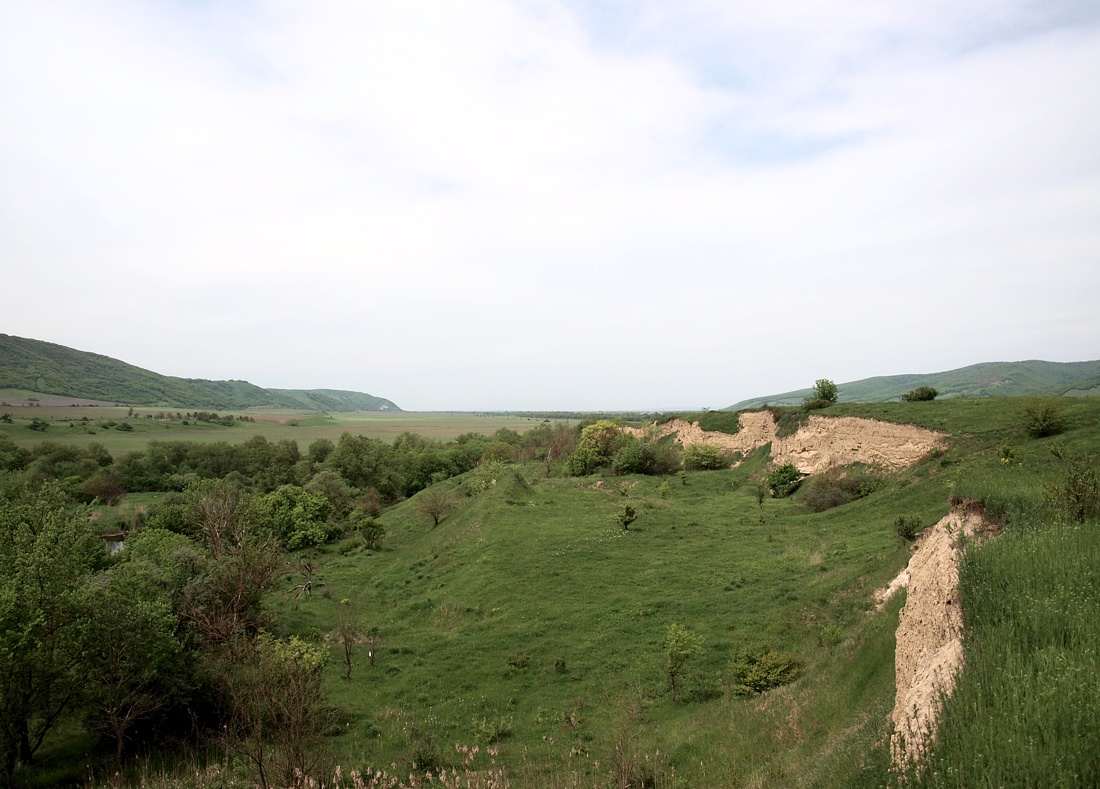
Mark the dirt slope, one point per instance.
(824, 442)
(929, 637)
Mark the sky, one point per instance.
(552, 204)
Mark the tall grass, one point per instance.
(1026, 709)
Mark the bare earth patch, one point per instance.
(929, 636)
(823, 443)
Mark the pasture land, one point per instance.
(84, 424)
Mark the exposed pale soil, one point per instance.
(929, 636)
(823, 443)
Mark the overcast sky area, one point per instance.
(552, 204)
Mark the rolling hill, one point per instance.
(58, 370)
(1010, 379)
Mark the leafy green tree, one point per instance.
(680, 644)
(332, 486)
(368, 527)
(46, 549)
(296, 516)
(133, 662)
(825, 394)
(597, 446)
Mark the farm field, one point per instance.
(67, 424)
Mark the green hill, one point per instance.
(1009, 379)
(49, 368)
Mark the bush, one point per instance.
(1077, 497)
(784, 480)
(836, 486)
(704, 457)
(906, 527)
(760, 668)
(1043, 417)
(920, 394)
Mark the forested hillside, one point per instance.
(54, 369)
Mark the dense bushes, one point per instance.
(784, 480)
(760, 668)
(920, 394)
(704, 457)
(837, 486)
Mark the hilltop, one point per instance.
(1006, 379)
(48, 368)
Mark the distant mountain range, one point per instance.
(1009, 379)
(47, 368)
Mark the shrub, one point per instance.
(836, 486)
(1042, 417)
(784, 480)
(1077, 497)
(920, 394)
(626, 517)
(704, 457)
(760, 668)
(906, 527)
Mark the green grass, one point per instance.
(529, 618)
(481, 614)
(66, 425)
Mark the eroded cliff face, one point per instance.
(929, 636)
(822, 443)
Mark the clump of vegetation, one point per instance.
(906, 527)
(680, 644)
(435, 504)
(920, 394)
(759, 668)
(825, 394)
(704, 457)
(838, 486)
(638, 456)
(626, 516)
(788, 421)
(1043, 417)
(784, 480)
(1076, 497)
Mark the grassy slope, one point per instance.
(1010, 379)
(55, 369)
(479, 612)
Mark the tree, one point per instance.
(278, 715)
(825, 394)
(46, 549)
(133, 661)
(597, 446)
(435, 504)
(296, 516)
(920, 394)
(680, 644)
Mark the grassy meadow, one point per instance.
(83, 425)
(529, 623)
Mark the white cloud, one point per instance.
(521, 205)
